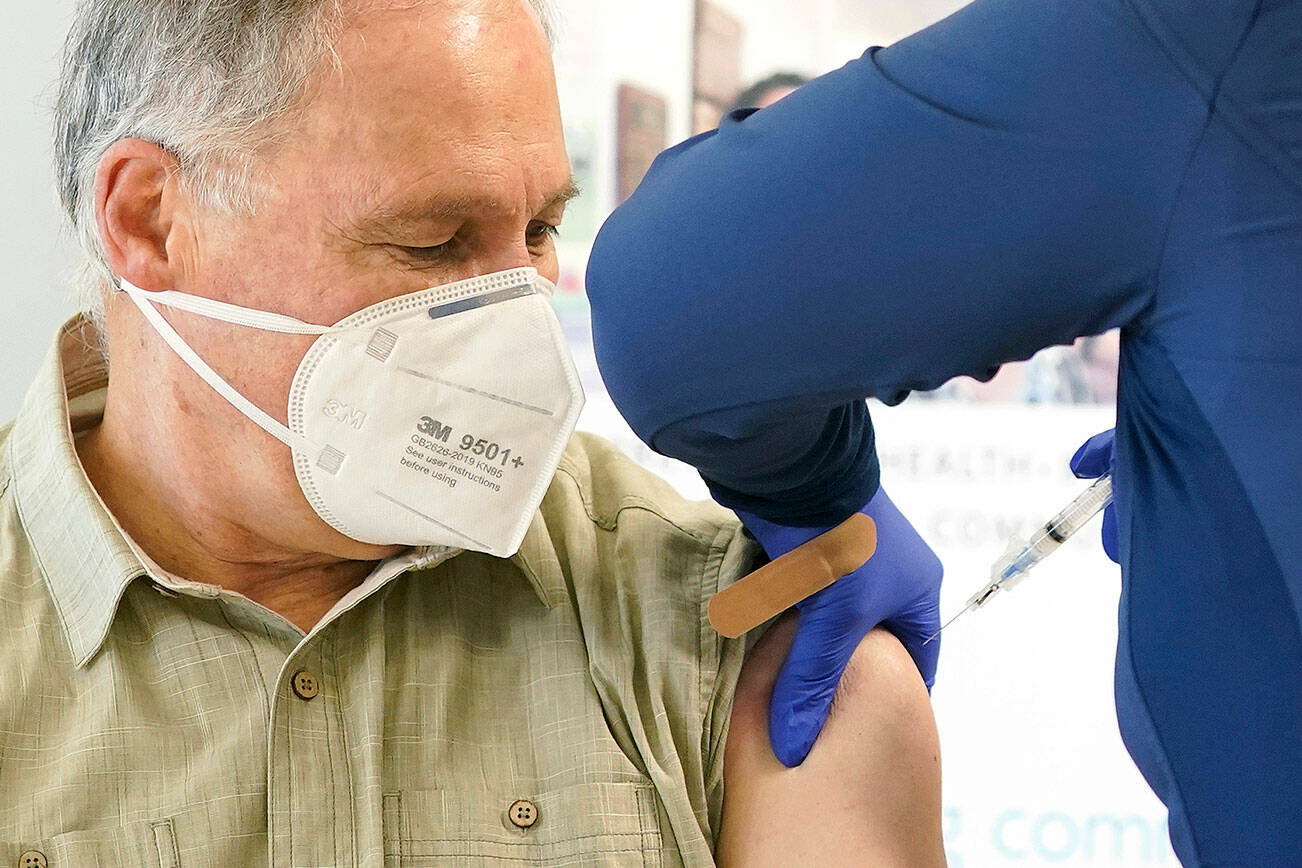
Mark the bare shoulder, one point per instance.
(869, 792)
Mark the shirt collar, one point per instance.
(87, 561)
(538, 560)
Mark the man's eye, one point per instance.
(430, 254)
(539, 233)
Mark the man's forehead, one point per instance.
(359, 10)
(460, 23)
(414, 208)
(445, 57)
(415, 127)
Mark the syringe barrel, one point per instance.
(1021, 557)
(1054, 532)
(1077, 513)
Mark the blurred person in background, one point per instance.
(227, 640)
(769, 90)
(1084, 373)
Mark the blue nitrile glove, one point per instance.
(899, 588)
(1093, 459)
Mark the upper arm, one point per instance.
(869, 791)
(992, 185)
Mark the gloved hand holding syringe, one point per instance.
(1022, 556)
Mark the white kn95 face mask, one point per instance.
(431, 419)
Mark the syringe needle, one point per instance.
(971, 604)
(975, 602)
(1013, 567)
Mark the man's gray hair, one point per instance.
(206, 80)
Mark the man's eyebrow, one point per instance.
(450, 207)
(567, 193)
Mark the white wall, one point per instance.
(1034, 769)
(34, 254)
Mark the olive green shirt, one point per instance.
(564, 707)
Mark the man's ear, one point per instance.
(138, 202)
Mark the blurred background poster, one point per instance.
(642, 122)
(716, 64)
(1035, 773)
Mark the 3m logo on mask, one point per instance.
(344, 414)
(434, 428)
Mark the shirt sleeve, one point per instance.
(732, 556)
(990, 186)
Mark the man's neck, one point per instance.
(185, 535)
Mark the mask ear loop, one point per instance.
(231, 313)
(225, 312)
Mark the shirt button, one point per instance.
(304, 685)
(523, 813)
(32, 859)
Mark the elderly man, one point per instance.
(300, 565)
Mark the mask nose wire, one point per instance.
(257, 415)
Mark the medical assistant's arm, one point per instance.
(995, 184)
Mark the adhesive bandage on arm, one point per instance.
(801, 572)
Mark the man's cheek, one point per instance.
(264, 364)
(549, 266)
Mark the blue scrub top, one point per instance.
(1022, 173)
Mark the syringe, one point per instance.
(1021, 556)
